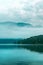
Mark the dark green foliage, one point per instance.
(33, 40)
(34, 43)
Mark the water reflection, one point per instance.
(11, 55)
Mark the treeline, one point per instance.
(34, 43)
(33, 40)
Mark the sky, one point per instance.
(29, 11)
(25, 11)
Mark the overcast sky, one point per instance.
(30, 11)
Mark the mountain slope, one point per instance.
(34, 43)
(33, 40)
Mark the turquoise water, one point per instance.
(19, 56)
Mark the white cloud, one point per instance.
(30, 11)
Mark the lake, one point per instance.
(19, 56)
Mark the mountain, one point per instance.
(34, 43)
(8, 40)
(33, 40)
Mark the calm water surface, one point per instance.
(19, 56)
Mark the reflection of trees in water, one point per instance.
(29, 63)
(23, 63)
(36, 48)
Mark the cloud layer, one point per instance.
(22, 11)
